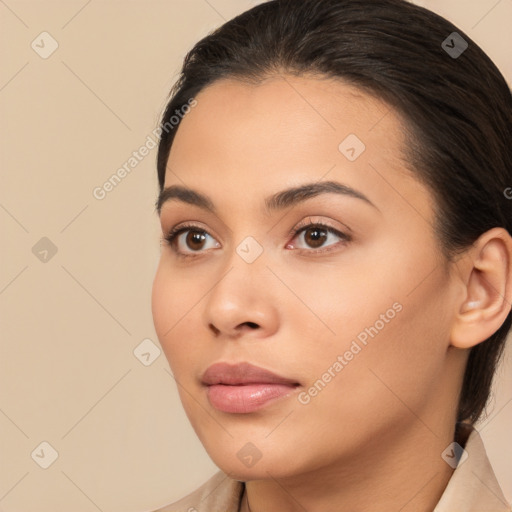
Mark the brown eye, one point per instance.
(195, 239)
(315, 236)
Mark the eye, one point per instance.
(316, 234)
(195, 239)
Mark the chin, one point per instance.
(259, 471)
(243, 461)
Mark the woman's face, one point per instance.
(357, 320)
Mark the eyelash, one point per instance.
(173, 234)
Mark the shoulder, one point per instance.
(218, 494)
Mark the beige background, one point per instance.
(68, 372)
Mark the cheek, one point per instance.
(380, 383)
(402, 364)
(176, 302)
(169, 312)
(161, 304)
(391, 331)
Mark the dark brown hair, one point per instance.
(456, 107)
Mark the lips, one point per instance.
(240, 374)
(243, 387)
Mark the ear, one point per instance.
(486, 270)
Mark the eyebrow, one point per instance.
(275, 202)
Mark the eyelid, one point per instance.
(310, 222)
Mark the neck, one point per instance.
(400, 471)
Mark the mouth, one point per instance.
(243, 387)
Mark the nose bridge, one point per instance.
(241, 293)
(244, 271)
(248, 237)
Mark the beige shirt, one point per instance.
(472, 488)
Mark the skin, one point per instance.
(373, 437)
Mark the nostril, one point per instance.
(214, 329)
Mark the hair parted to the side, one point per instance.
(457, 112)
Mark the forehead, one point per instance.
(290, 104)
(282, 118)
(242, 139)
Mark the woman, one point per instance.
(335, 286)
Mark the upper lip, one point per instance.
(242, 373)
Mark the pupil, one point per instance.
(317, 237)
(196, 237)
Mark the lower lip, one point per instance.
(245, 398)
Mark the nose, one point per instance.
(243, 303)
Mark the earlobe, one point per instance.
(487, 273)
